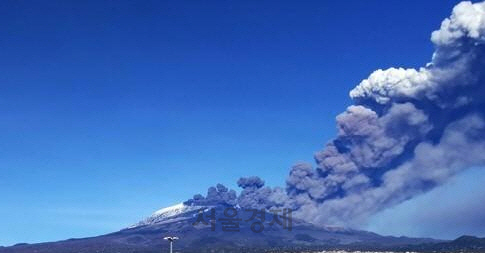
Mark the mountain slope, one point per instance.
(146, 236)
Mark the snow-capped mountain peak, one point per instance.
(169, 214)
(170, 211)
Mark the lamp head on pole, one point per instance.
(170, 238)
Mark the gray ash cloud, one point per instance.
(408, 131)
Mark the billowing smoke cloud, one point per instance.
(408, 131)
(254, 195)
(219, 195)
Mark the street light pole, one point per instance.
(171, 239)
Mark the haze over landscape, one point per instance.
(102, 129)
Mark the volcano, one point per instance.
(222, 228)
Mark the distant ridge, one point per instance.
(462, 243)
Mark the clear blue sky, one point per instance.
(110, 110)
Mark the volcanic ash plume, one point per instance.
(408, 131)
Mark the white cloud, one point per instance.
(467, 20)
